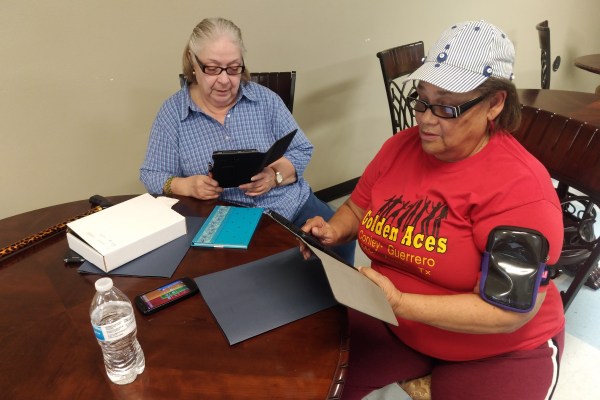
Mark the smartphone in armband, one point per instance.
(512, 267)
(165, 296)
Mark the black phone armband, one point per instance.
(512, 267)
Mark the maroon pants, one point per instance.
(378, 358)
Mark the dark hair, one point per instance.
(509, 118)
(210, 29)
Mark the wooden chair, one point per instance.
(570, 150)
(282, 83)
(544, 36)
(396, 63)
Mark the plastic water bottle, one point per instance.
(114, 325)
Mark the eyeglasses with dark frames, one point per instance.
(440, 110)
(215, 70)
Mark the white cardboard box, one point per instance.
(125, 231)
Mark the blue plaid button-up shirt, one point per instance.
(183, 139)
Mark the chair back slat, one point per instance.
(580, 165)
(396, 63)
(570, 151)
(282, 83)
(568, 148)
(533, 128)
(550, 148)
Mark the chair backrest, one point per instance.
(396, 63)
(570, 150)
(282, 83)
(544, 36)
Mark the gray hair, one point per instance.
(208, 30)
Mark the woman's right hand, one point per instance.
(202, 187)
(320, 229)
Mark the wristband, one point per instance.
(167, 187)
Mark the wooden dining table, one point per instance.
(590, 62)
(582, 106)
(48, 349)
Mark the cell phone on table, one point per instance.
(165, 296)
(71, 257)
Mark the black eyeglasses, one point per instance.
(214, 70)
(440, 110)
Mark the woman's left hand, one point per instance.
(393, 295)
(261, 183)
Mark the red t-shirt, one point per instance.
(426, 226)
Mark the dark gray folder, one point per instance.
(257, 297)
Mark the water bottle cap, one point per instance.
(104, 284)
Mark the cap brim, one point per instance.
(447, 77)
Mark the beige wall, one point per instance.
(81, 81)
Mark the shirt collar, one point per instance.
(247, 91)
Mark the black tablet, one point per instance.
(232, 168)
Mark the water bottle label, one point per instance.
(116, 330)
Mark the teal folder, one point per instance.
(228, 227)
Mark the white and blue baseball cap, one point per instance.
(465, 56)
